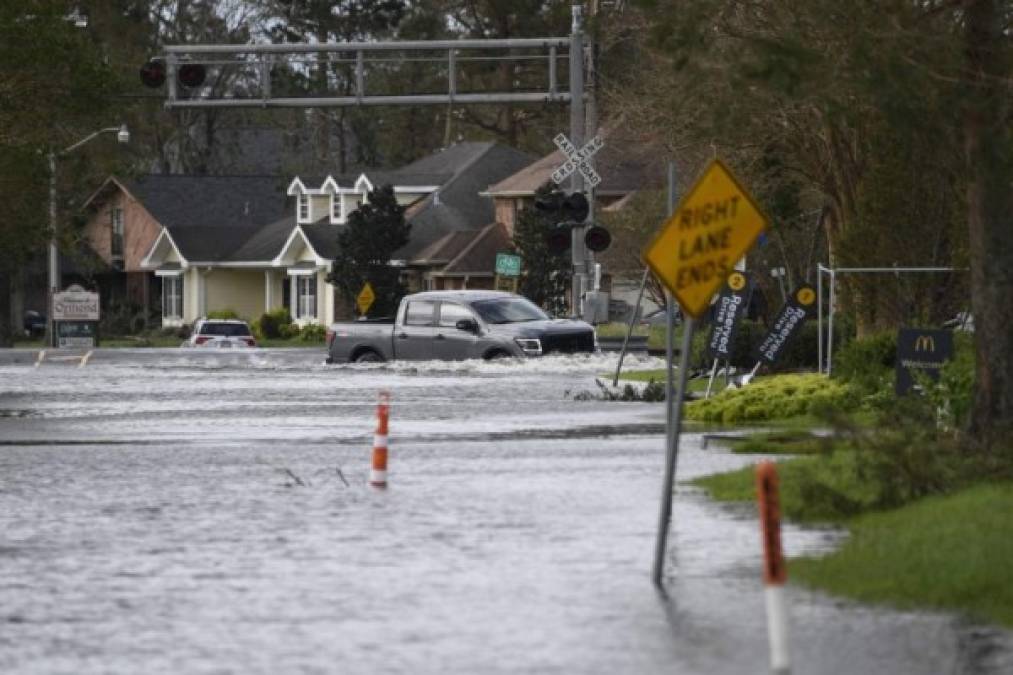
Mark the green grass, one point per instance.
(780, 441)
(949, 553)
(943, 552)
(824, 488)
(655, 336)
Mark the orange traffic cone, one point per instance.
(378, 474)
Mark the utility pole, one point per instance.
(579, 251)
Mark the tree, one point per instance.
(633, 227)
(375, 231)
(55, 87)
(325, 21)
(989, 151)
(843, 100)
(895, 115)
(546, 275)
(517, 126)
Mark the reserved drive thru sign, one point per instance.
(696, 249)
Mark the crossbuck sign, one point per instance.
(577, 160)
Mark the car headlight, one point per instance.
(530, 346)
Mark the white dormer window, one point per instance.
(335, 208)
(304, 207)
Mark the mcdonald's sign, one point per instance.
(921, 350)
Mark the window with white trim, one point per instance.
(304, 207)
(116, 225)
(172, 297)
(335, 208)
(306, 291)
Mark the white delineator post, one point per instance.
(378, 472)
(775, 573)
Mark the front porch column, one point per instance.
(268, 290)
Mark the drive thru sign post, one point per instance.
(715, 224)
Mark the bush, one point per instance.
(867, 363)
(776, 398)
(269, 325)
(122, 318)
(313, 332)
(223, 314)
(287, 331)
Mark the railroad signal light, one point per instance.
(192, 75)
(551, 203)
(575, 208)
(557, 239)
(571, 209)
(153, 73)
(597, 238)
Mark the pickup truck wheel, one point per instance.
(368, 356)
(497, 355)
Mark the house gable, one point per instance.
(112, 202)
(162, 252)
(298, 248)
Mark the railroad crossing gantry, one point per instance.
(261, 57)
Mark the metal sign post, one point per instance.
(578, 168)
(672, 437)
(716, 223)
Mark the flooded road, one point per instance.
(176, 512)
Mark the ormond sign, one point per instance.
(75, 306)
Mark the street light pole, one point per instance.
(123, 137)
(54, 254)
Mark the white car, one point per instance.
(221, 334)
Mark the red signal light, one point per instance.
(192, 75)
(597, 238)
(558, 239)
(153, 74)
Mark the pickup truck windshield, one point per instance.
(508, 310)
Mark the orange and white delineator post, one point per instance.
(378, 473)
(775, 573)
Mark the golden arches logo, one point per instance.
(736, 281)
(805, 296)
(925, 343)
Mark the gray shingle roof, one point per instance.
(323, 237)
(220, 201)
(457, 205)
(266, 242)
(249, 218)
(212, 218)
(210, 244)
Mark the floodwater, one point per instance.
(167, 511)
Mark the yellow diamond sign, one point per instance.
(697, 247)
(365, 298)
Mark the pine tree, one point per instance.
(546, 275)
(375, 231)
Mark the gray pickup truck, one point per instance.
(453, 325)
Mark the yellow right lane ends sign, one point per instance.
(716, 223)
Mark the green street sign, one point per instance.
(508, 265)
